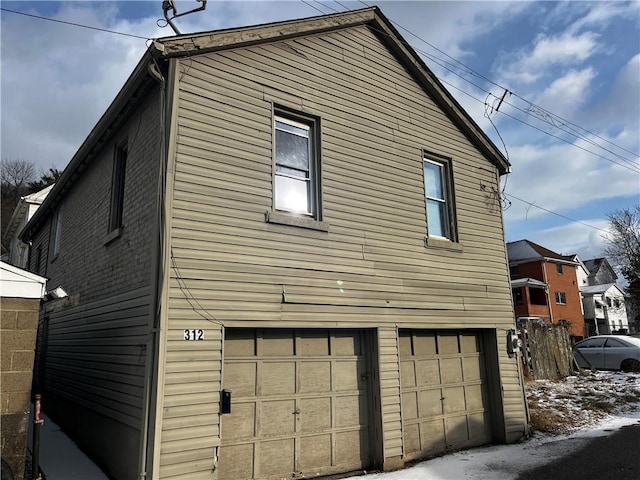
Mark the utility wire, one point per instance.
(556, 213)
(73, 24)
(471, 71)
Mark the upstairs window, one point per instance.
(559, 268)
(296, 179)
(514, 270)
(438, 190)
(561, 297)
(58, 234)
(117, 187)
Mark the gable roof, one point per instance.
(523, 251)
(594, 265)
(142, 78)
(22, 210)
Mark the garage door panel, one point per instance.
(278, 378)
(346, 375)
(450, 391)
(315, 415)
(451, 370)
(453, 400)
(407, 374)
(412, 438)
(477, 427)
(474, 397)
(432, 436)
(448, 343)
(430, 403)
(315, 377)
(473, 368)
(424, 343)
(240, 343)
(240, 378)
(345, 452)
(299, 403)
(277, 418)
(313, 343)
(457, 432)
(345, 343)
(469, 343)
(229, 467)
(315, 452)
(240, 423)
(276, 343)
(275, 457)
(410, 405)
(428, 372)
(347, 411)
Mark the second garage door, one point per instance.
(444, 392)
(299, 403)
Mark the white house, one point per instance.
(27, 206)
(604, 309)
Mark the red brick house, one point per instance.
(544, 284)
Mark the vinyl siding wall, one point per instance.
(372, 269)
(91, 365)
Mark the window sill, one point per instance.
(442, 243)
(295, 221)
(111, 236)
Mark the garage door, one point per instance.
(444, 392)
(299, 404)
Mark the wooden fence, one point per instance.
(546, 350)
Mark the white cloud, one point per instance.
(575, 238)
(529, 64)
(567, 93)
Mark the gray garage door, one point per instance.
(444, 392)
(299, 403)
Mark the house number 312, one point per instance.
(194, 334)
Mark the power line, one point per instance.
(73, 24)
(555, 213)
(471, 71)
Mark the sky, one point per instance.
(568, 74)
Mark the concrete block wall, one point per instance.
(86, 267)
(18, 339)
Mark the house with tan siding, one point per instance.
(281, 261)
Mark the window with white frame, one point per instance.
(296, 179)
(438, 190)
(561, 297)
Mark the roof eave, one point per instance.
(190, 44)
(91, 145)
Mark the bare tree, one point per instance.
(16, 176)
(16, 173)
(623, 251)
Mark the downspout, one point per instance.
(151, 363)
(546, 289)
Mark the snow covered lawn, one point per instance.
(572, 411)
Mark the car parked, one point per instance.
(609, 352)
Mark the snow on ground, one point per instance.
(573, 411)
(585, 406)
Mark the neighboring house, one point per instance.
(604, 309)
(20, 295)
(604, 301)
(600, 271)
(18, 251)
(281, 261)
(545, 284)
